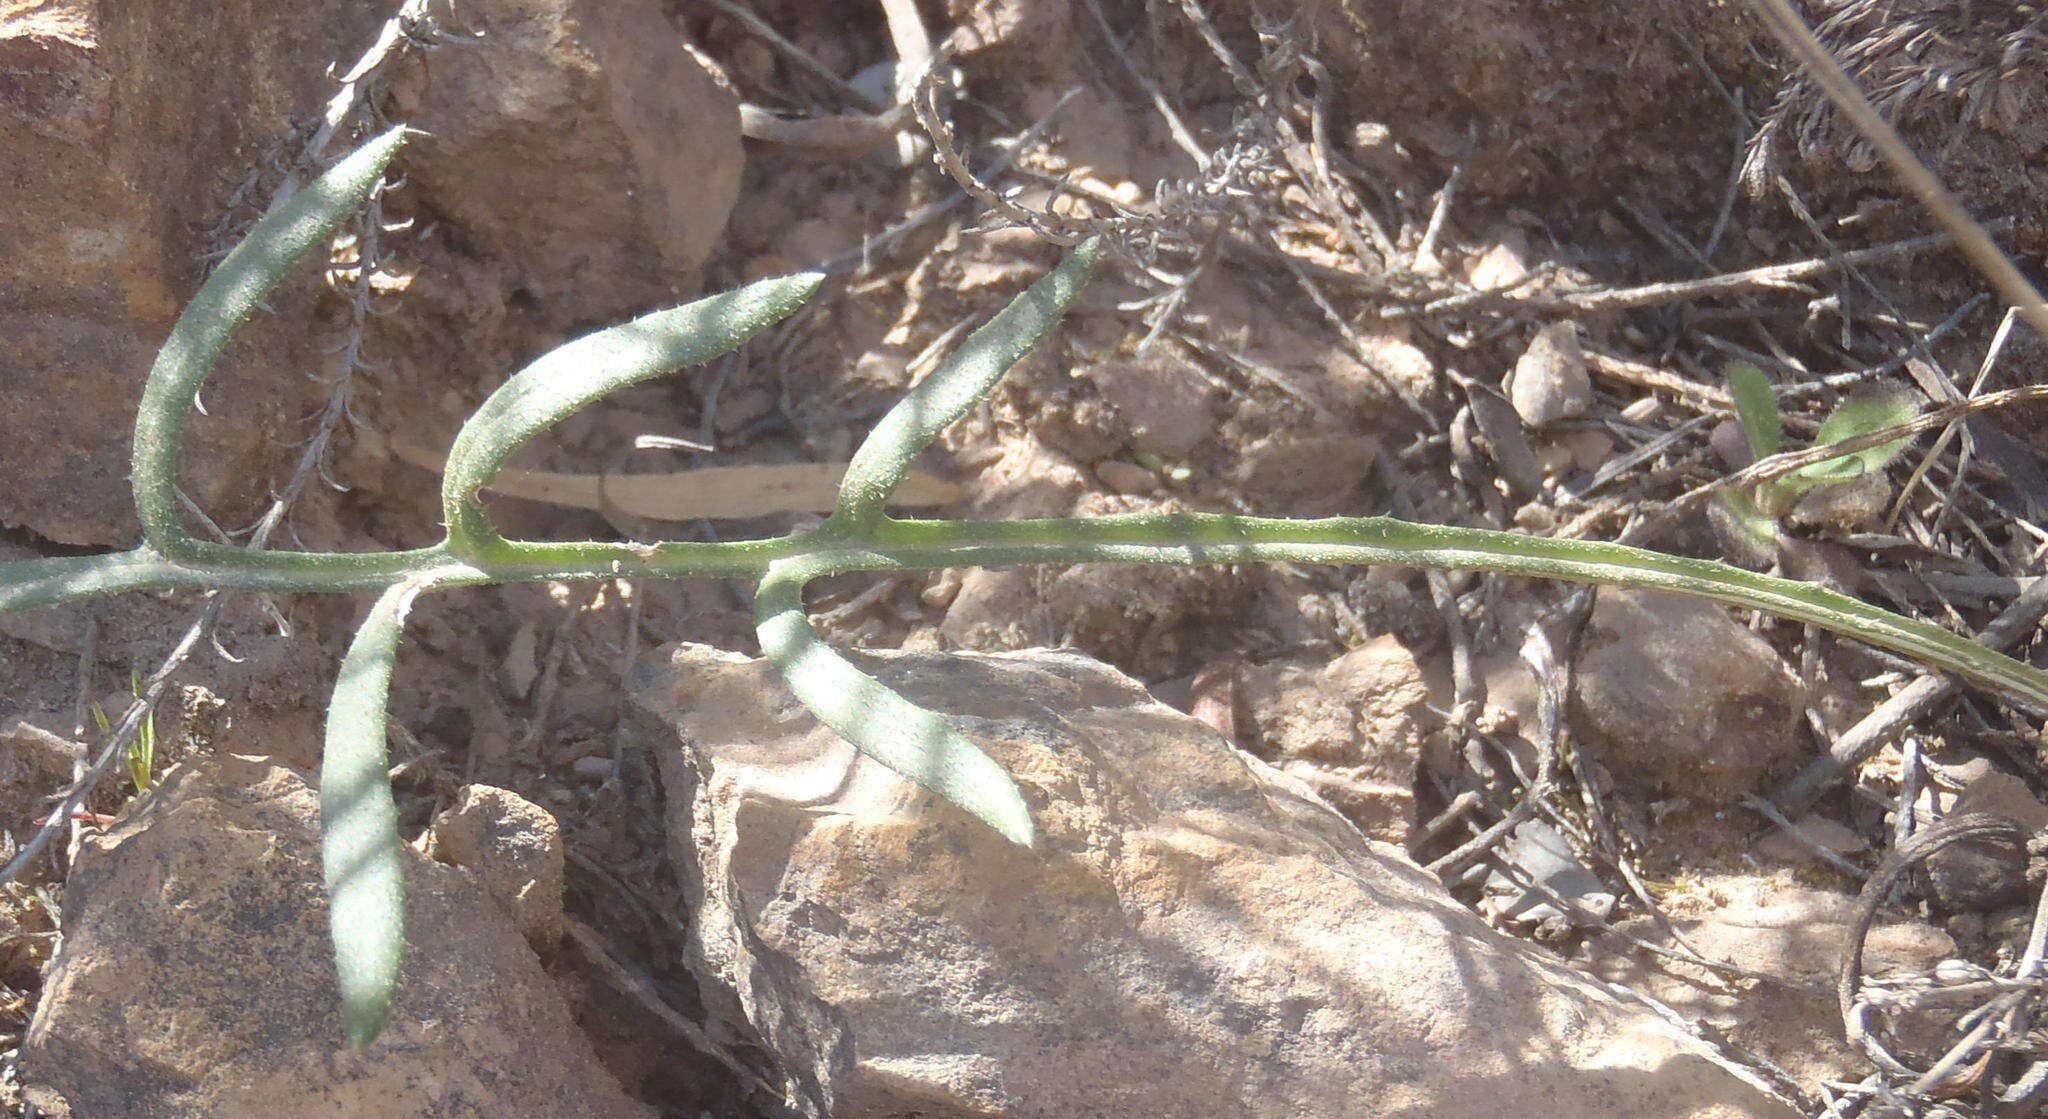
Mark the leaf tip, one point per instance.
(363, 1024)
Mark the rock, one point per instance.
(195, 978)
(1126, 477)
(1294, 474)
(1729, 444)
(1550, 381)
(34, 766)
(1166, 405)
(1502, 264)
(1359, 723)
(997, 608)
(126, 128)
(1136, 615)
(578, 168)
(1183, 898)
(1793, 933)
(578, 139)
(1978, 876)
(513, 848)
(1675, 695)
(1024, 478)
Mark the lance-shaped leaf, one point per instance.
(1756, 408)
(576, 373)
(359, 847)
(919, 744)
(950, 390)
(224, 302)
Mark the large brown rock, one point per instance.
(196, 979)
(1194, 935)
(126, 128)
(578, 144)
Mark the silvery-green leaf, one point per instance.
(1859, 415)
(256, 266)
(1756, 408)
(574, 374)
(359, 846)
(919, 744)
(950, 390)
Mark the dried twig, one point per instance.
(1946, 208)
(1936, 837)
(2021, 617)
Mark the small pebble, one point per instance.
(1126, 477)
(1550, 382)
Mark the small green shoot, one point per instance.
(142, 751)
(1757, 511)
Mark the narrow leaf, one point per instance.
(950, 390)
(572, 375)
(1859, 415)
(359, 847)
(223, 303)
(1756, 408)
(919, 744)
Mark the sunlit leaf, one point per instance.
(1859, 415)
(574, 374)
(950, 390)
(359, 847)
(256, 266)
(919, 744)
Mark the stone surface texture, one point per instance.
(1353, 728)
(1549, 382)
(513, 847)
(1195, 934)
(1677, 696)
(1795, 934)
(196, 978)
(126, 128)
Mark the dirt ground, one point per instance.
(1392, 258)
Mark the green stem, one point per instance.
(1184, 538)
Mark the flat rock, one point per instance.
(1194, 934)
(196, 978)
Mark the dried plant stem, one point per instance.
(1793, 33)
